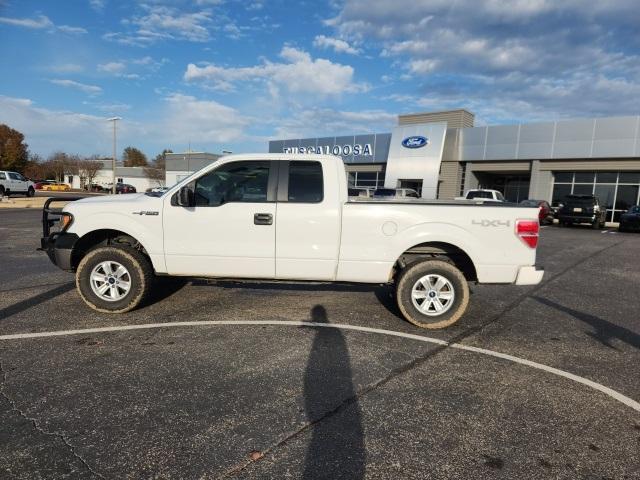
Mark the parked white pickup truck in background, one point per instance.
(288, 217)
(15, 183)
(483, 194)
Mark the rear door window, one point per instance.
(305, 182)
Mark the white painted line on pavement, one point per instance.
(483, 351)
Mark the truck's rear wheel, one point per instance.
(432, 294)
(114, 279)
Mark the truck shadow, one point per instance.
(336, 449)
(603, 330)
(165, 287)
(35, 300)
(285, 286)
(385, 294)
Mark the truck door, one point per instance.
(18, 182)
(230, 231)
(308, 223)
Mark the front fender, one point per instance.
(145, 229)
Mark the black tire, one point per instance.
(596, 224)
(410, 276)
(140, 271)
(1, 191)
(31, 192)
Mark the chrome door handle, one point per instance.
(263, 219)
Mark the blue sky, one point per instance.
(230, 75)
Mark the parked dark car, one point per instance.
(125, 188)
(384, 193)
(555, 208)
(95, 187)
(582, 209)
(630, 220)
(545, 214)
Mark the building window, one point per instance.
(119, 179)
(366, 179)
(70, 179)
(617, 191)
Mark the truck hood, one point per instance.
(115, 199)
(117, 203)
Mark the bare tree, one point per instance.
(156, 171)
(88, 170)
(156, 175)
(58, 163)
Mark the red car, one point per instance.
(125, 188)
(545, 214)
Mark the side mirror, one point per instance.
(185, 197)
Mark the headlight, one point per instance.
(65, 221)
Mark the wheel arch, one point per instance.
(104, 237)
(438, 251)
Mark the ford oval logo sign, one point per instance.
(415, 142)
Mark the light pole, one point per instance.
(114, 120)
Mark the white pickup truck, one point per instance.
(288, 217)
(484, 194)
(13, 182)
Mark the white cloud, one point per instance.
(66, 68)
(423, 66)
(72, 30)
(315, 122)
(180, 119)
(255, 6)
(338, 45)
(97, 5)
(112, 67)
(50, 130)
(41, 21)
(299, 74)
(88, 89)
(111, 108)
(188, 118)
(162, 23)
(120, 68)
(526, 53)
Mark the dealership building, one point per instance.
(442, 154)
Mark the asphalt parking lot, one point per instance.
(289, 400)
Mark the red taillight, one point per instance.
(528, 230)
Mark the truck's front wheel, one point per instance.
(114, 279)
(432, 294)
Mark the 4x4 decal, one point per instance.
(491, 223)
